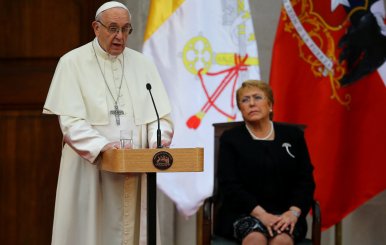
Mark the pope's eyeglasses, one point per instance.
(126, 30)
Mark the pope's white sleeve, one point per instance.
(166, 125)
(79, 134)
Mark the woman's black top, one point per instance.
(274, 174)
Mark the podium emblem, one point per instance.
(162, 160)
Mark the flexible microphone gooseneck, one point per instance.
(148, 87)
(152, 188)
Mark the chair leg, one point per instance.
(204, 227)
(316, 223)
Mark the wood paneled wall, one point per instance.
(30, 147)
(35, 33)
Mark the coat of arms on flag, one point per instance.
(329, 72)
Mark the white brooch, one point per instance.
(287, 146)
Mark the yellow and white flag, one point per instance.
(203, 51)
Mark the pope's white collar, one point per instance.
(102, 53)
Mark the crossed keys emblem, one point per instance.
(198, 53)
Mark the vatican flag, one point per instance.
(203, 50)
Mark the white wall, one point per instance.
(367, 225)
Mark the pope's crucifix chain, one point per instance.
(116, 112)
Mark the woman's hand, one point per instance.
(269, 220)
(288, 221)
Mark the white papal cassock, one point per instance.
(93, 206)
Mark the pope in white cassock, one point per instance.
(98, 90)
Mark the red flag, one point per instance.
(345, 124)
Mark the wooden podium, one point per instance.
(141, 160)
(152, 161)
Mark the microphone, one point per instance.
(148, 87)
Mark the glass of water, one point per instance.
(126, 139)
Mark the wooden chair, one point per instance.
(206, 217)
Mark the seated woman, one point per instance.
(265, 174)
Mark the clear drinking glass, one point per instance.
(126, 139)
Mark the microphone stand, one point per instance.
(152, 188)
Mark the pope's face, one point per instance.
(254, 105)
(112, 30)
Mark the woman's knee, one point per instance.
(282, 239)
(254, 238)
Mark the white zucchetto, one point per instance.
(109, 5)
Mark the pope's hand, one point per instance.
(111, 145)
(164, 144)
